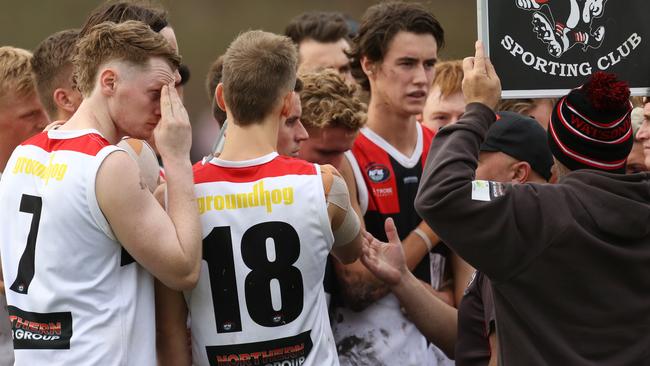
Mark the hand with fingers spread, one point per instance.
(385, 260)
(173, 133)
(481, 83)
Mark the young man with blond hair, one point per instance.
(21, 116)
(291, 133)
(332, 114)
(539, 109)
(85, 227)
(268, 222)
(52, 68)
(445, 102)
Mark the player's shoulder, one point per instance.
(330, 170)
(293, 165)
(76, 141)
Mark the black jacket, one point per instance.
(570, 262)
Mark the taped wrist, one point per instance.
(424, 238)
(349, 228)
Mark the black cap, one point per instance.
(523, 138)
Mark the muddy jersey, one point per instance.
(266, 237)
(73, 297)
(387, 182)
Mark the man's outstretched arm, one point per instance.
(437, 320)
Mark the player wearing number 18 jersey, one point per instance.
(269, 223)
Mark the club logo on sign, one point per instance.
(563, 24)
(544, 48)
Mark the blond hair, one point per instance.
(521, 106)
(15, 72)
(131, 41)
(448, 77)
(328, 101)
(52, 66)
(258, 69)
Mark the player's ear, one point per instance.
(287, 104)
(108, 81)
(368, 67)
(219, 98)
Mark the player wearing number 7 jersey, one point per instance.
(76, 214)
(269, 223)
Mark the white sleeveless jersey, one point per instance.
(6, 344)
(266, 237)
(74, 296)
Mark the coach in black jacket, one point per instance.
(569, 263)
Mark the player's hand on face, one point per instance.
(173, 133)
(385, 260)
(480, 82)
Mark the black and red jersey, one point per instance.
(387, 183)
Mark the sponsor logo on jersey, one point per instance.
(378, 173)
(290, 351)
(383, 192)
(259, 197)
(40, 330)
(411, 180)
(36, 168)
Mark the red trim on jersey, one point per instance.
(427, 138)
(371, 157)
(278, 167)
(89, 144)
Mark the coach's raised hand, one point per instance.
(481, 83)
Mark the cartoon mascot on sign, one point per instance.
(563, 23)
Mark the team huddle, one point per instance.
(319, 230)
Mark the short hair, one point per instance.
(521, 106)
(15, 72)
(320, 26)
(258, 68)
(449, 77)
(131, 41)
(212, 80)
(119, 12)
(52, 66)
(327, 100)
(379, 25)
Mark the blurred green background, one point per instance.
(204, 28)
